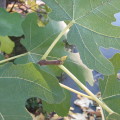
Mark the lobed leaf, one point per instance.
(80, 70)
(86, 42)
(85, 13)
(38, 39)
(92, 20)
(20, 82)
(110, 86)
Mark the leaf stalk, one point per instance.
(75, 91)
(12, 58)
(56, 40)
(101, 103)
(64, 86)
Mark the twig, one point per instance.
(12, 7)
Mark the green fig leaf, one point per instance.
(10, 23)
(21, 82)
(109, 87)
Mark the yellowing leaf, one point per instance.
(32, 4)
(6, 45)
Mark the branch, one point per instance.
(12, 7)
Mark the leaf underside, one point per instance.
(6, 45)
(38, 39)
(92, 25)
(87, 34)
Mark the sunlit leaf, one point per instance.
(32, 4)
(6, 45)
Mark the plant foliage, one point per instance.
(110, 86)
(89, 28)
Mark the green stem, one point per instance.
(56, 40)
(75, 91)
(103, 105)
(102, 114)
(12, 58)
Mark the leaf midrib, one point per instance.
(110, 96)
(42, 42)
